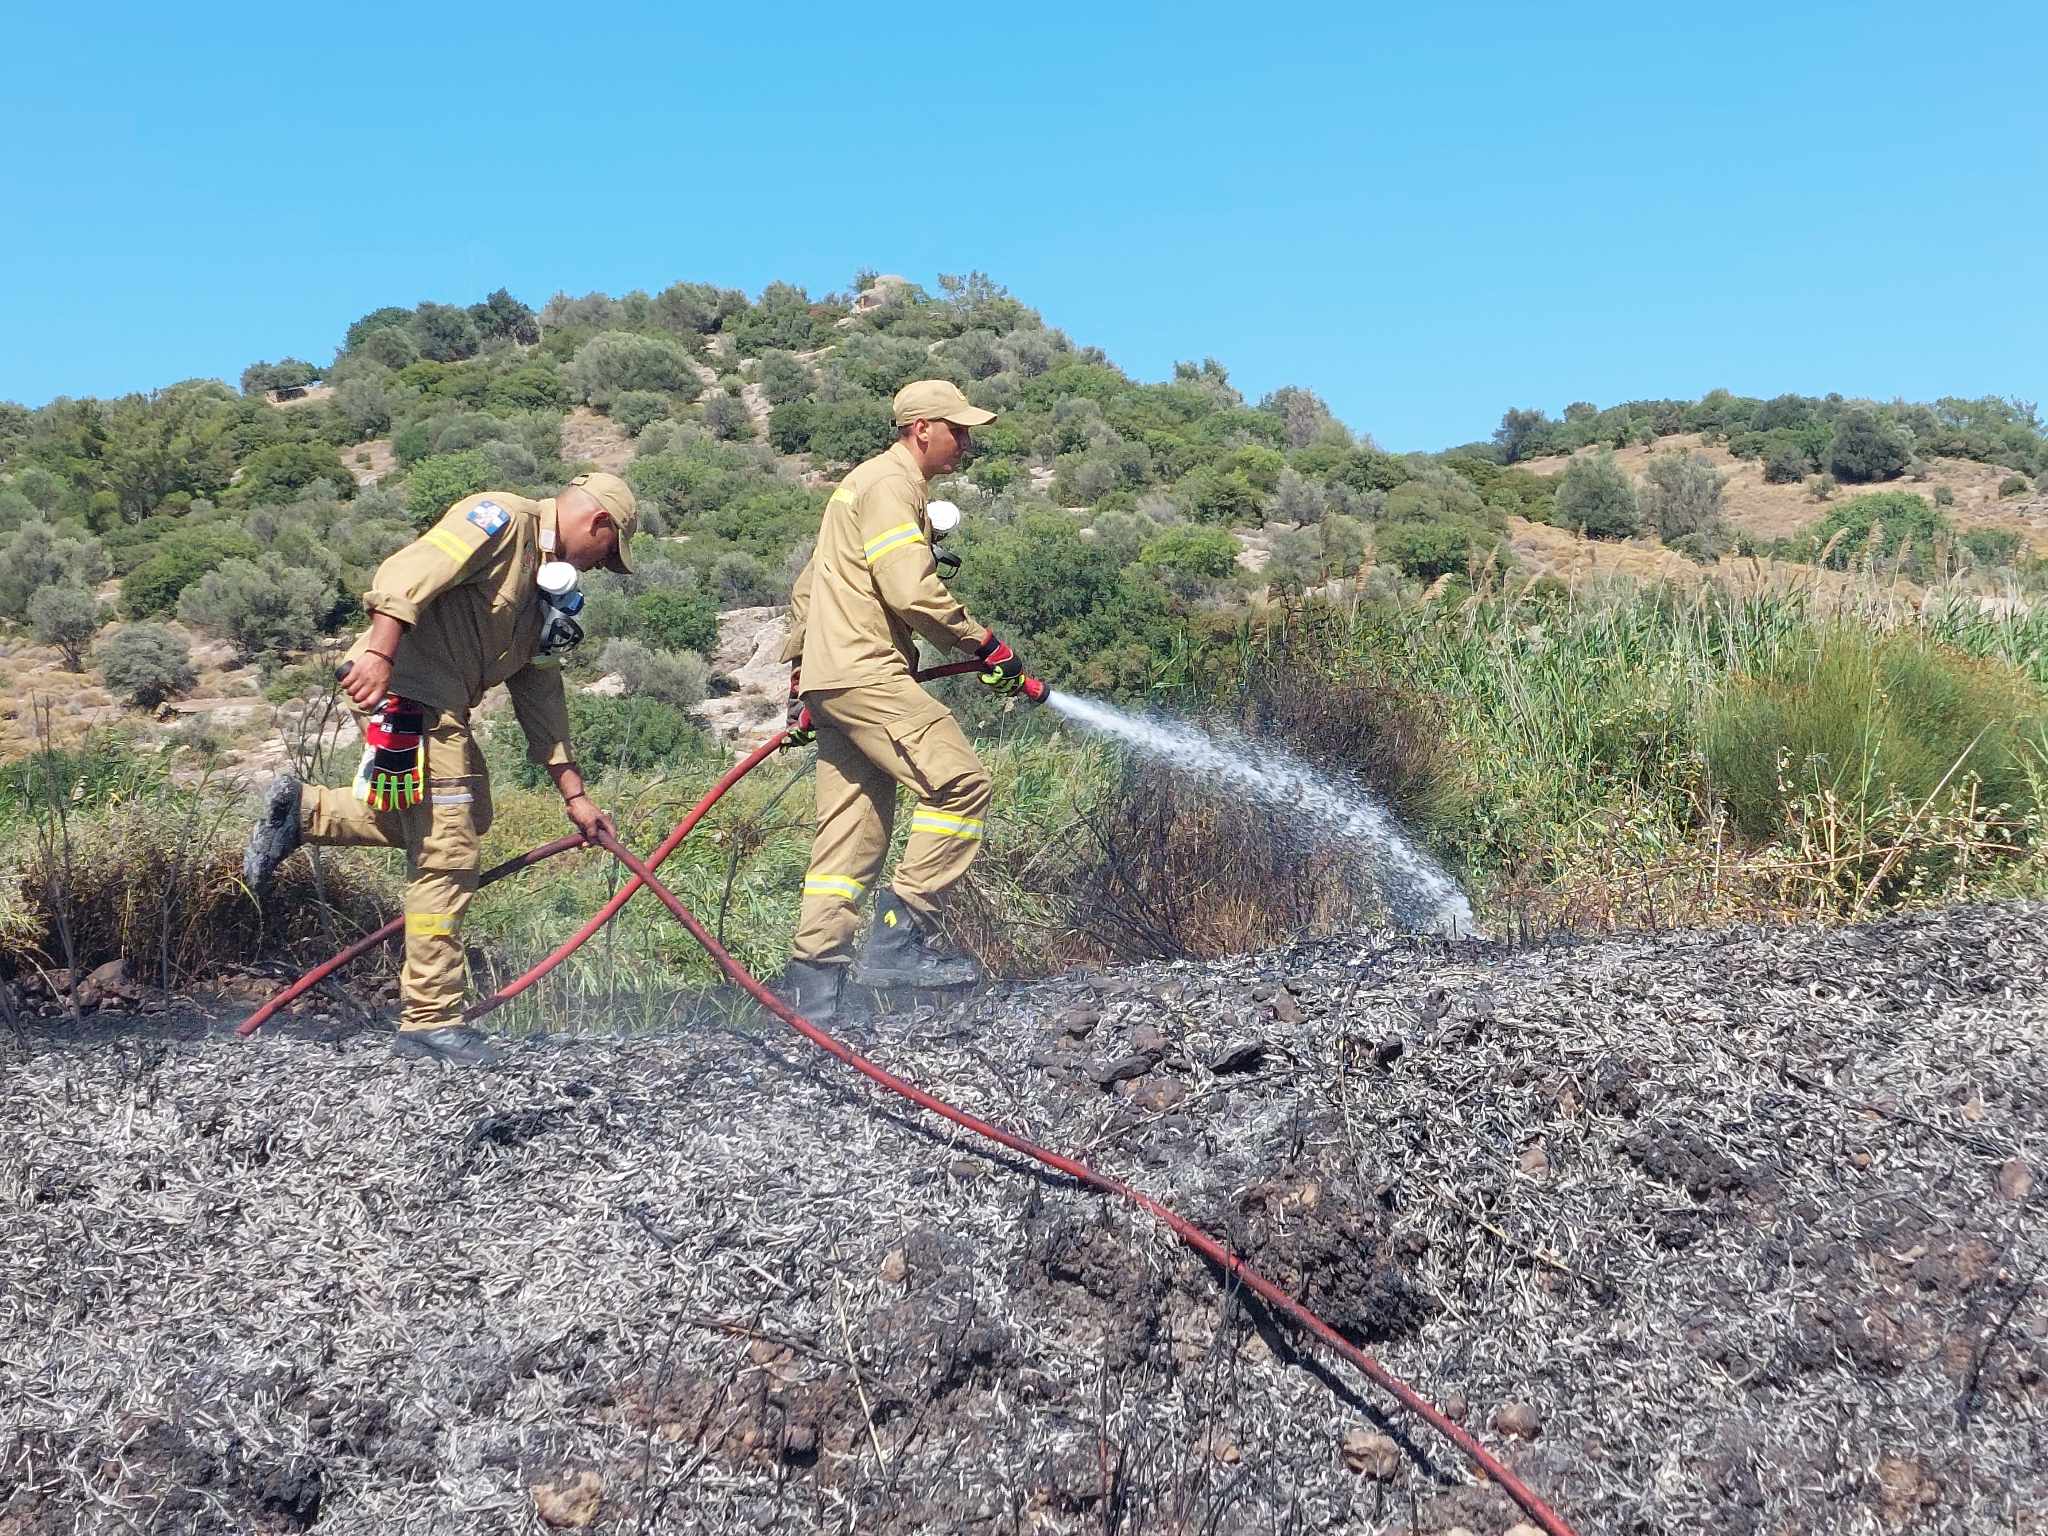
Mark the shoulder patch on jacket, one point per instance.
(489, 516)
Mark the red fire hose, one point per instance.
(1191, 1235)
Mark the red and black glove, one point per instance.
(1002, 670)
(798, 714)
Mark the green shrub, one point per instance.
(783, 378)
(66, 617)
(38, 556)
(634, 409)
(1596, 498)
(629, 735)
(1821, 488)
(391, 345)
(725, 416)
(1865, 449)
(436, 484)
(1681, 499)
(363, 405)
(276, 475)
(1786, 466)
(502, 315)
(614, 362)
(676, 620)
(1887, 518)
(290, 373)
(695, 309)
(445, 334)
(1429, 547)
(1212, 495)
(679, 679)
(739, 580)
(790, 424)
(534, 387)
(1868, 718)
(848, 431)
(390, 317)
(1209, 553)
(15, 509)
(1944, 496)
(411, 443)
(145, 664)
(781, 320)
(2013, 485)
(1993, 546)
(270, 604)
(181, 558)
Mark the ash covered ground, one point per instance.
(1735, 1232)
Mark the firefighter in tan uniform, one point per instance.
(457, 611)
(870, 591)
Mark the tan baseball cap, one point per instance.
(937, 400)
(616, 497)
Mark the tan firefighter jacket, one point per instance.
(871, 587)
(465, 589)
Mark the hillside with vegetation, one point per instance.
(1663, 661)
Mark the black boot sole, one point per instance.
(413, 1050)
(920, 981)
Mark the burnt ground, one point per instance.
(1736, 1232)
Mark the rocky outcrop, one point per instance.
(749, 679)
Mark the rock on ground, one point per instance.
(1770, 1279)
(750, 676)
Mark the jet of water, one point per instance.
(1418, 893)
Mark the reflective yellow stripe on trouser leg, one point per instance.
(843, 887)
(940, 824)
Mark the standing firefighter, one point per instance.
(870, 590)
(483, 597)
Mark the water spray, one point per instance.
(1419, 895)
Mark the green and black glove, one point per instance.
(1002, 670)
(802, 732)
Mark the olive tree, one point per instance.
(146, 664)
(66, 617)
(258, 606)
(1681, 498)
(1596, 498)
(38, 556)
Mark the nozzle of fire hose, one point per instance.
(1037, 690)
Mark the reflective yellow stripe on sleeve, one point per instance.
(843, 886)
(433, 925)
(893, 539)
(943, 825)
(448, 544)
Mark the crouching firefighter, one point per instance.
(485, 596)
(870, 590)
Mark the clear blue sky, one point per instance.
(1425, 213)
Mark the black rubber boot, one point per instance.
(811, 989)
(454, 1045)
(273, 838)
(899, 953)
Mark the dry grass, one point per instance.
(1766, 511)
(1742, 1217)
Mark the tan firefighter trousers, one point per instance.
(442, 838)
(870, 739)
